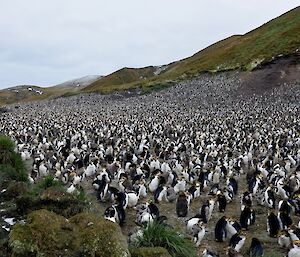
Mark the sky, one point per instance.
(47, 42)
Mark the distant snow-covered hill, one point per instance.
(80, 82)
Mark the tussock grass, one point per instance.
(12, 166)
(160, 235)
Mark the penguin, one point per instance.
(285, 220)
(221, 201)
(220, 229)
(285, 207)
(194, 190)
(121, 214)
(160, 193)
(256, 248)
(233, 253)
(237, 241)
(214, 189)
(198, 232)
(284, 239)
(273, 225)
(295, 250)
(192, 221)
(116, 214)
(154, 183)
(294, 234)
(153, 209)
(182, 205)
(101, 186)
(247, 218)
(246, 200)
(208, 253)
(232, 227)
(232, 183)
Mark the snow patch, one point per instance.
(160, 69)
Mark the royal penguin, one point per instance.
(198, 232)
(194, 190)
(273, 225)
(115, 213)
(154, 183)
(191, 222)
(237, 241)
(295, 250)
(269, 198)
(247, 217)
(284, 239)
(182, 205)
(206, 210)
(256, 248)
(232, 227)
(246, 200)
(209, 253)
(161, 194)
(221, 201)
(285, 220)
(294, 233)
(233, 253)
(220, 229)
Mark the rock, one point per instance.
(48, 234)
(53, 199)
(103, 238)
(149, 252)
(14, 190)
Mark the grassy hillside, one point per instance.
(280, 36)
(22, 94)
(122, 77)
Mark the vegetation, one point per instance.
(149, 252)
(280, 36)
(45, 183)
(160, 235)
(12, 167)
(82, 235)
(121, 77)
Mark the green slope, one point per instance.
(121, 77)
(280, 36)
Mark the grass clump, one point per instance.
(12, 166)
(47, 182)
(160, 235)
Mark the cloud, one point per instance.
(48, 42)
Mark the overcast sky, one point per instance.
(46, 42)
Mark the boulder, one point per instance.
(48, 234)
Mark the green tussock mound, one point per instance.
(160, 235)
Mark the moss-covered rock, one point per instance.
(149, 252)
(53, 199)
(99, 237)
(48, 234)
(15, 189)
(45, 234)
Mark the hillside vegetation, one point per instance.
(279, 37)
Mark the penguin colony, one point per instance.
(226, 164)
